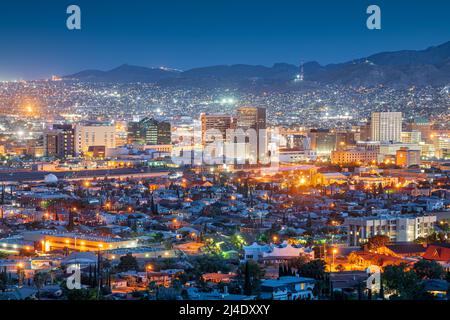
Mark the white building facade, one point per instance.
(397, 228)
(94, 135)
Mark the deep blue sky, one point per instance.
(190, 33)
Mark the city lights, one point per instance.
(248, 177)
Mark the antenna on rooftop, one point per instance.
(302, 71)
(301, 75)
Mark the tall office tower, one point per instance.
(322, 141)
(68, 139)
(251, 118)
(386, 126)
(298, 141)
(94, 134)
(363, 132)
(51, 143)
(60, 141)
(254, 118)
(423, 126)
(121, 133)
(345, 139)
(221, 122)
(149, 131)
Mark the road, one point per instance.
(38, 176)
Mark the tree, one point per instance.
(237, 241)
(81, 294)
(378, 241)
(153, 206)
(298, 262)
(128, 262)
(152, 287)
(437, 238)
(247, 280)
(314, 269)
(428, 269)
(166, 293)
(158, 237)
(403, 284)
(4, 279)
(250, 275)
(209, 263)
(39, 280)
(340, 268)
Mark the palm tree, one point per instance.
(39, 280)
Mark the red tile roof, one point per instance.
(437, 253)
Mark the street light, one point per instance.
(334, 251)
(20, 273)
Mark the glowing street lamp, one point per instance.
(334, 251)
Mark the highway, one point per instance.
(38, 176)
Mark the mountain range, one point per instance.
(397, 69)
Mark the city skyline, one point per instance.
(257, 175)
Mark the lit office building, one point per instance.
(94, 135)
(406, 157)
(322, 141)
(217, 122)
(411, 137)
(423, 126)
(386, 126)
(248, 119)
(60, 141)
(149, 131)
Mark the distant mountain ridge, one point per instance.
(124, 73)
(397, 69)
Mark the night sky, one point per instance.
(182, 34)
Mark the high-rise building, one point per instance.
(149, 131)
(386, 126)
(344, 139)
(299, 141)
(363, 132)
(423, 126)
(441, 143)
(121, 133)
(253, 118)
(94, 134)
(60, 141)
(406, 157)
(220, 122)
(323, 141)
(51, 143)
